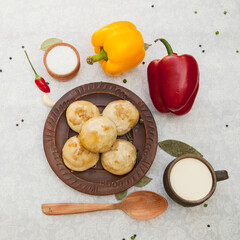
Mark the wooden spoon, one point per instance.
(141, 205)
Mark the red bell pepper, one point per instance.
(173, 82)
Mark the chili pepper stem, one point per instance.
(97, 57)
(37, 76)
(166, 44)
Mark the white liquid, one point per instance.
(61, 60)
(191, 179)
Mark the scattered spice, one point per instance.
(200, 45)
(133, 237)
(226, 125)
(195, 12)
(143, 63)
(152, 6)
(237, 51)
(0, 70)
(208, 225)
(225, 12)
(217, 32)
(205, 205)
(10, 58)
(124, 80)
(22, 120)
(17, 125)
(203, 51)
(22, 46)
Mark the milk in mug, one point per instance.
(191, 179)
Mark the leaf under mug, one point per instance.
(178, 148)
(49, 42)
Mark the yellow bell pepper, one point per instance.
(119, 47)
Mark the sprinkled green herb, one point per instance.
(124, 80)
(133, 237)
(195, 12)
(217, 32)
(205, 205)
(225, 12)
(237, 51)
(47, 83)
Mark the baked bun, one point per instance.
(98, 134)
(79, 112)
(76, 157)
(123, 113)
(121, 158)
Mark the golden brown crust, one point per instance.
(79, 112)
(98, 134)
(121, 158)
(123, 113)
(76, 157)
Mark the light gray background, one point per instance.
(26, 179)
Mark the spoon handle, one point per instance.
(72, 208)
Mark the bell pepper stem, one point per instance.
(166, 44)
(37, 76)
(102, 55)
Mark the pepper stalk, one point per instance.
(102, 55)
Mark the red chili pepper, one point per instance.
(173, 82)
(40, 82)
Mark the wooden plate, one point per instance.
(97, 181)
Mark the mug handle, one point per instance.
(221, 175)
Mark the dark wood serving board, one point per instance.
(97, 181)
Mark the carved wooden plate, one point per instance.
(97, 181)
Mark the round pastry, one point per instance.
(121, 158)
(79, 112)
(98, 134)
(76, 157)
(123, 113)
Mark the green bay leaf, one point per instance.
(121, 195)
(146, 46)
(143, 182)
(178, 148)
(49, 42)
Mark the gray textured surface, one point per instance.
(26, 180)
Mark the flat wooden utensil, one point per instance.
(141, 205)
